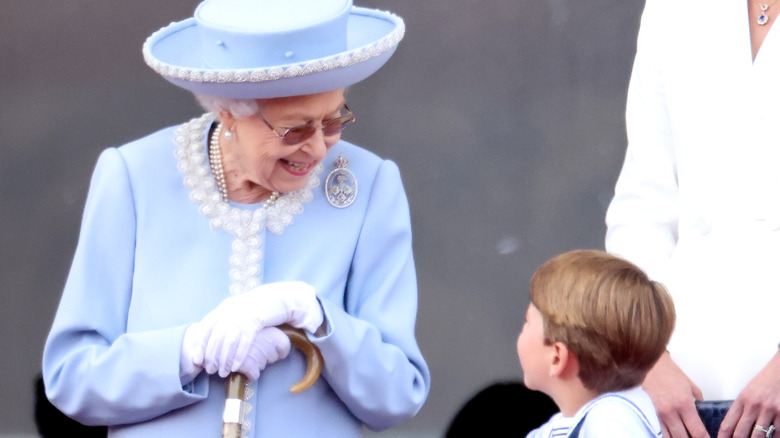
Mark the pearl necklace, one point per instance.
(245, 225)
(242, 223)
(215, 159)
(193, 163)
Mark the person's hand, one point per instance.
(227, 335)
(192, 349)
(266, 347)
(270, 305)
(674, 396)
(758, 403)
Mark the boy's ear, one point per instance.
(562, 362)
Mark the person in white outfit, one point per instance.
(697, 206)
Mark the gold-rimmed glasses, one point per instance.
(298, 134)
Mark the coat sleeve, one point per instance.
(94, 371)
(372, 360)
(642, 217)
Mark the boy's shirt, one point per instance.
(628, 413)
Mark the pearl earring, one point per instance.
(228, 134)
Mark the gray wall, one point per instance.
(505, 116)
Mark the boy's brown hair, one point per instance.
(608, 313)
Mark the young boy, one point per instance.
(595, 326)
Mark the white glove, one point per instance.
(192, 349)
(230, 333)
(272, 304)
(266, 347)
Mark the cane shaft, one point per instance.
(232, 417)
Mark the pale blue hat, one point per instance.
(273, 48)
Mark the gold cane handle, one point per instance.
(313, 357)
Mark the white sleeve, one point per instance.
(642, 218)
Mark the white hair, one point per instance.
(238, 108)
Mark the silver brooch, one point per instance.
(341, 185)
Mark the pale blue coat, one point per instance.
(148, 264)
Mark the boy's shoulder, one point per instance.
(628, 413)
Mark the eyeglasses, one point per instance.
(298, 134)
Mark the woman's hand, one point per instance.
(270, 305)
(674, 396)
(758, 403)
(264, 347)
(268, 346)
(236, 335)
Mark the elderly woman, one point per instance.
(199, 240)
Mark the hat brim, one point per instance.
(372, 37)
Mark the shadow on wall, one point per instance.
(502, 407)
(51, 423)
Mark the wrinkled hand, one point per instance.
(758, 403)
(674, 396)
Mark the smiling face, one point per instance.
(533, 351)
(256, 161)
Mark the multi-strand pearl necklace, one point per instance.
(245, 224)
(215, 158)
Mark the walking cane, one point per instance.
(236, 382)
